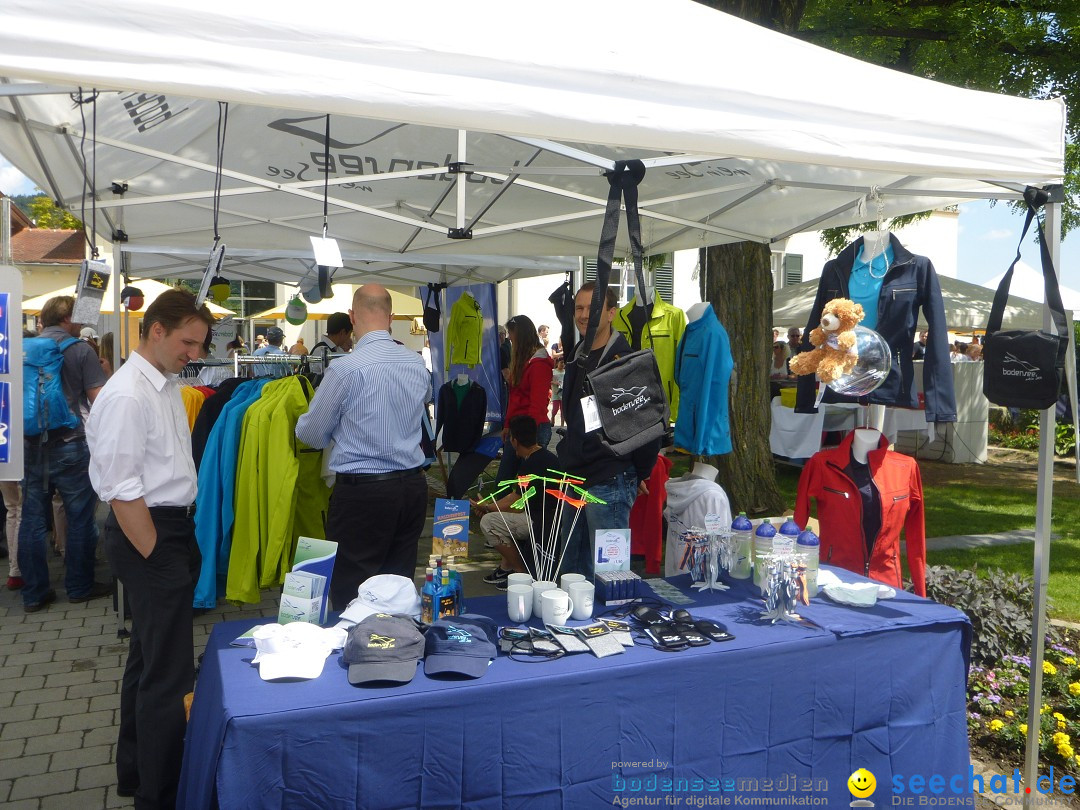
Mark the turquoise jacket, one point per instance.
(703, 371)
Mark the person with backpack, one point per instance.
(60, 372)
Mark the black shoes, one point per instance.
(97, 590)
(47, 599)
(498, 576)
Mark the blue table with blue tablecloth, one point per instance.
(783, 714)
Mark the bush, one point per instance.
(998, 605)
(1023, 432)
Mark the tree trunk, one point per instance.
(737, 281)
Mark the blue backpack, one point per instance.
(45, 407)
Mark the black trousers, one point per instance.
(160, 665)
(377, 527)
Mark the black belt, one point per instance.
(172, 511)
(367, 478)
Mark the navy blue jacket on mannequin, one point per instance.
(910, 284)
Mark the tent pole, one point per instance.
(1044, 505)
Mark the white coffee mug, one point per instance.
(556, 606)
(519, 579)
(519, 602)
(538, 588)
(582, 595)
(566, 579)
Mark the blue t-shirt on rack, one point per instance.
(864, 286)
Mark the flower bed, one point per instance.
(997, 708)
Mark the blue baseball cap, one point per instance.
(461, 645)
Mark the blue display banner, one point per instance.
(5, 341)
(487, 372)
(5, 420)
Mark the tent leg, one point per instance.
(1044, 507)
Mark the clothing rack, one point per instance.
(247, 360)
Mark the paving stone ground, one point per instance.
(60, 673)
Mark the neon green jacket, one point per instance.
(662, 334)
(464, 333)
(278, 491)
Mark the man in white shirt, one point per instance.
(141, 464)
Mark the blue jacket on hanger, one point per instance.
(703, 367)
(910, 284)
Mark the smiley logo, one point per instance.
(861, 783)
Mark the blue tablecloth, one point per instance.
(882, 688)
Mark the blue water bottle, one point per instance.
(784, 542)
(742, 531)
(763, 544)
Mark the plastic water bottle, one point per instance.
(427, 598)
(808, 544)
(455, 583)
(763, 544)
(742, 530)
(447, 601)
(784, 542)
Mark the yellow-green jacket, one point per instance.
(465, 332)
(662, 334)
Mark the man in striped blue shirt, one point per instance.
(370, 404)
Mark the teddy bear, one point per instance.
(835, 354)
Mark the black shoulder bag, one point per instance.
(629, 392)
(1023, 368)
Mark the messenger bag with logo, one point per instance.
(1023, 368)
(628, 392)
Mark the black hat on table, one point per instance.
(383, 648)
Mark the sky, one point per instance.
(986, 242)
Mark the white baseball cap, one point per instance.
(382, 593)
(294, 650)
(88, 333)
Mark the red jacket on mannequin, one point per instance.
(840, 505)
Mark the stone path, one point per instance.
(60, 673)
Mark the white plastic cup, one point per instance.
(519, 602)
(556, 606)
(582, 594)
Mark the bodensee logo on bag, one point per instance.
(1026, 370)
(619, 393)
(637, 403)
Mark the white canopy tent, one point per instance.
(493, 121)
(535, 110)
(1030, 280)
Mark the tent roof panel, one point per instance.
(734, 159)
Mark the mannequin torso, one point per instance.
(865, 440)
(696, 311)
(706, 471)
(874, 244)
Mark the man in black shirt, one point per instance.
(338, 334)
(616, 480)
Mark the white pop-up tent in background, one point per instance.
(455, 148)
